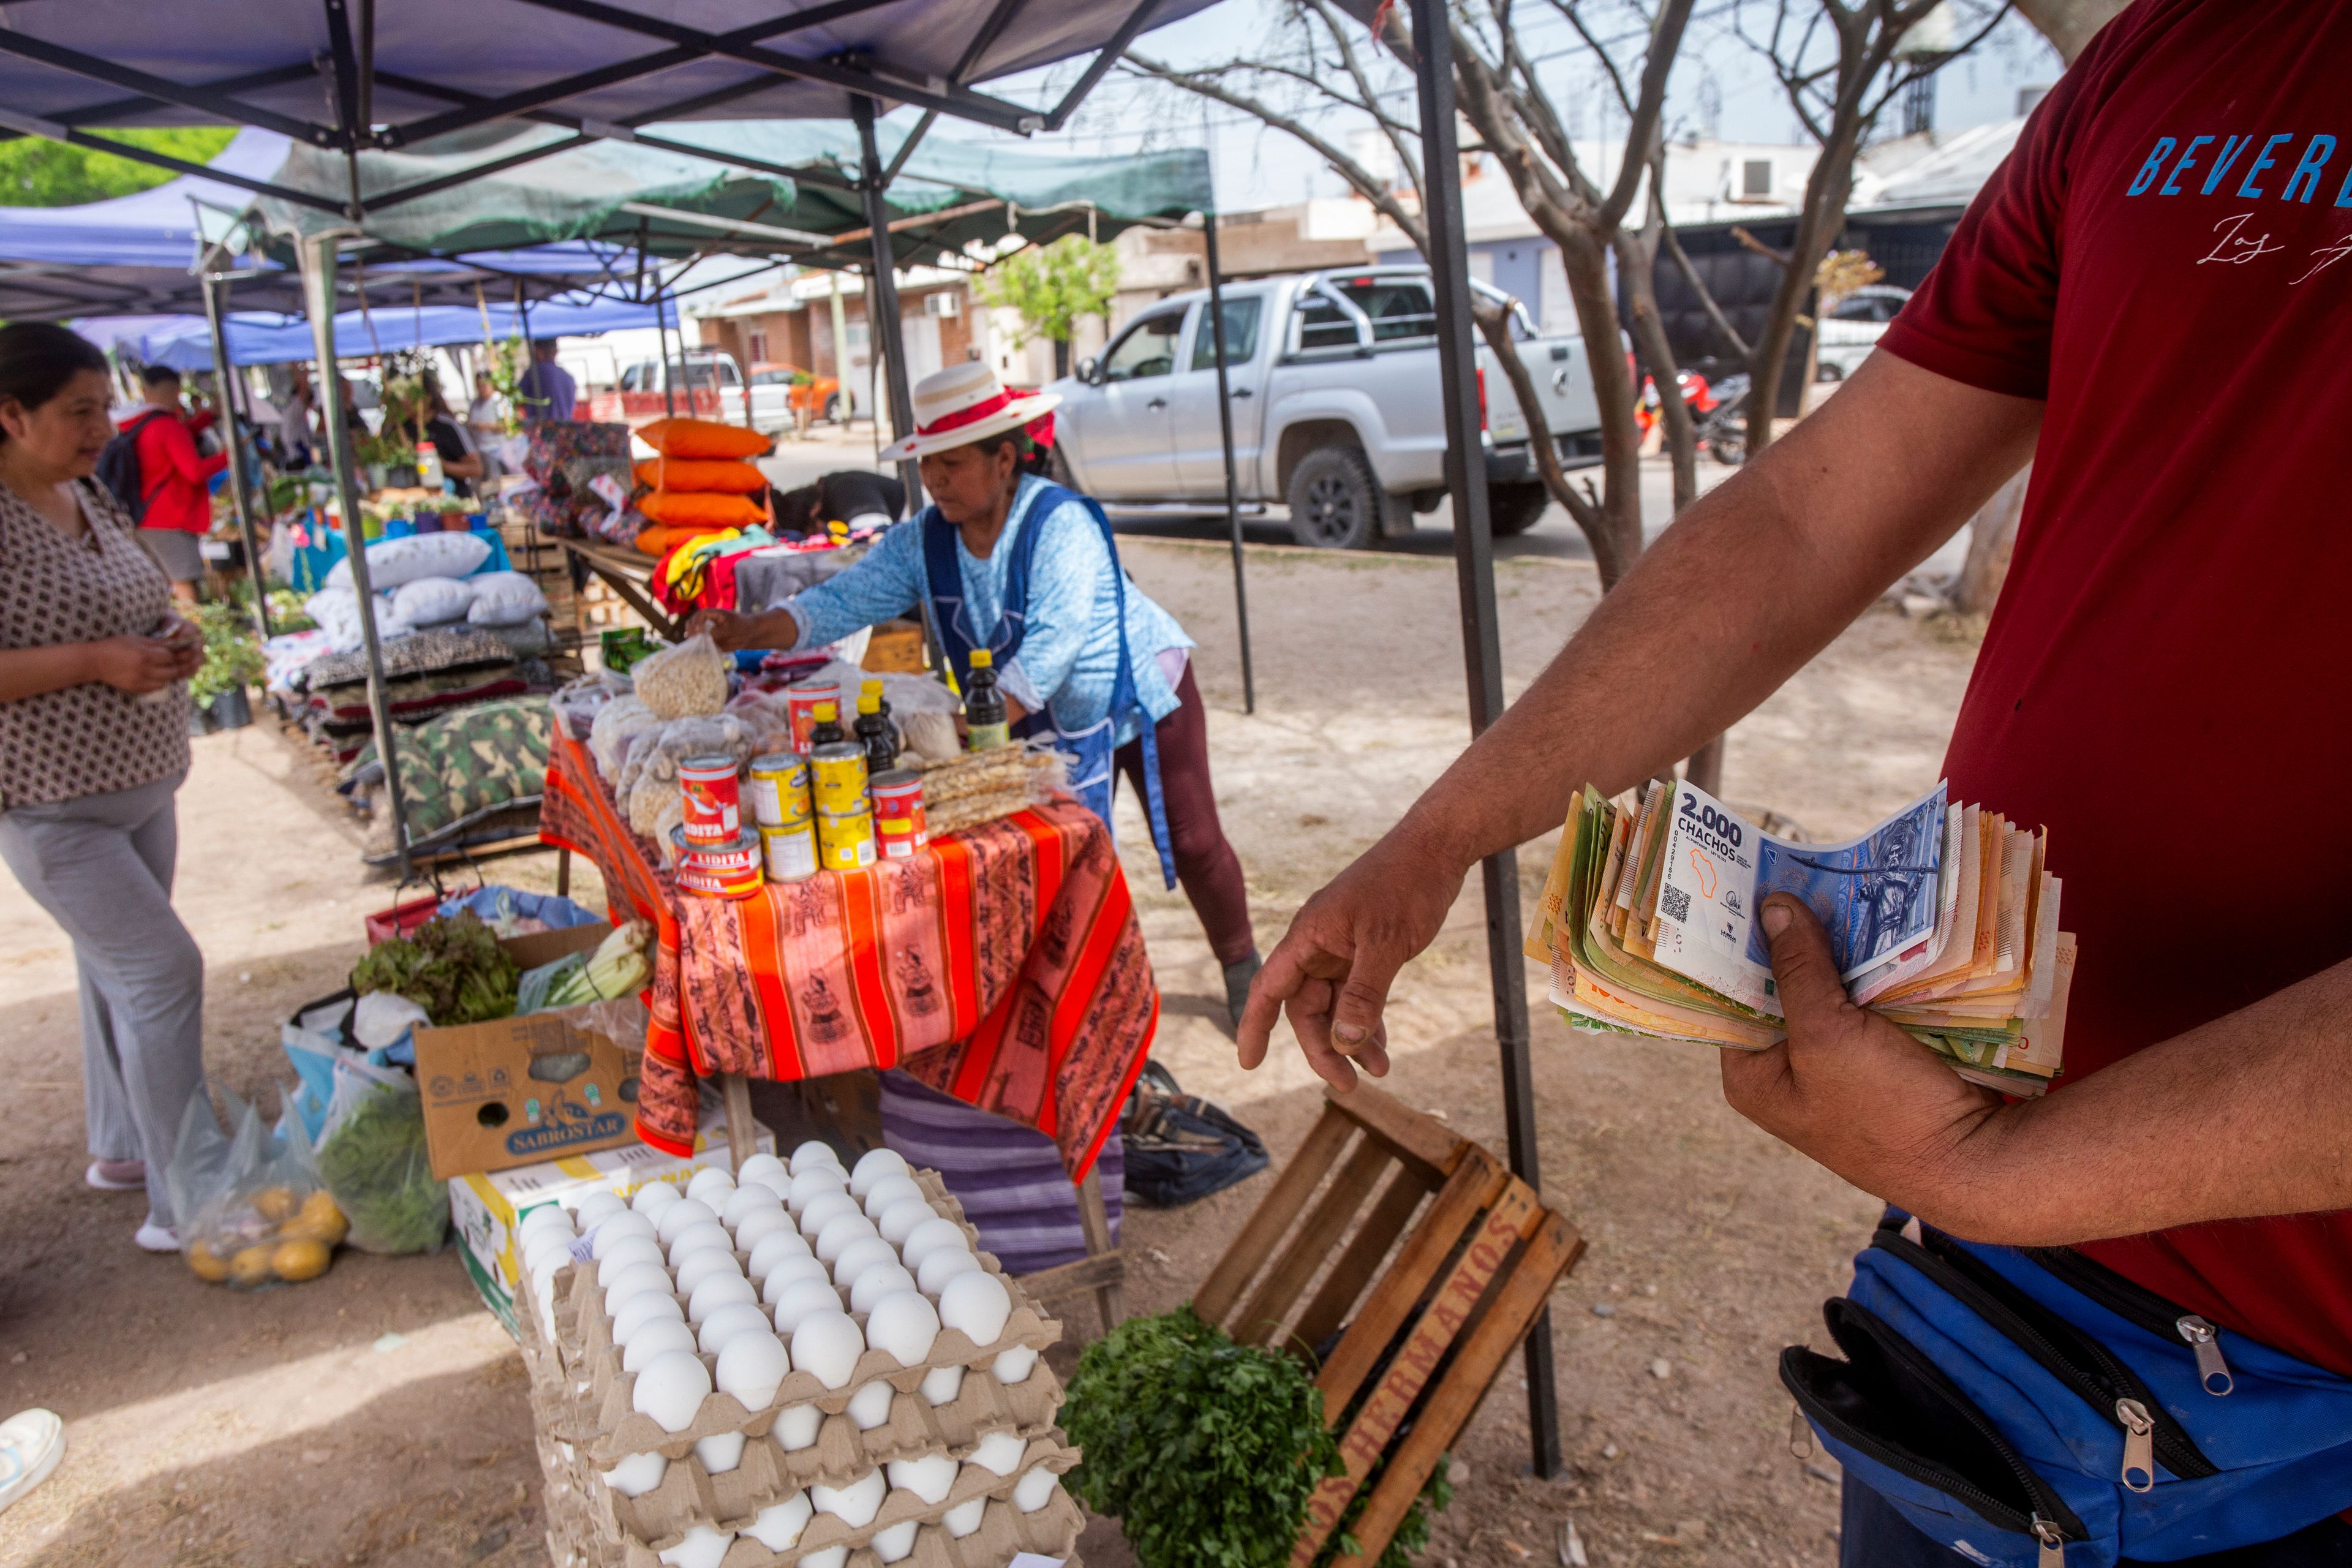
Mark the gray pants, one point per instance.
(101, 867)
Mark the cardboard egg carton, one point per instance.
(1005, 1531)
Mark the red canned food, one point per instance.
(897, 836)
(898, 797)
(718, 885)
(799, 703)
(740, 856)
(714, 803)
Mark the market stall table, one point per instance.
(1004, 966)
(628, 573)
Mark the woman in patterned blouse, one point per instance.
(93, 743)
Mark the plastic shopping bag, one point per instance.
(251, 1210)
(369, 1153)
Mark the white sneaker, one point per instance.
(153, 1237)
(31, 1444)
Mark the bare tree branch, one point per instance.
(1665, 41)
(1716, 318)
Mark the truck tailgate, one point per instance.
(1563, 385)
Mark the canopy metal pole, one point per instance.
(882, 297)
(1225, 429)
(319, 295)
(1474, 561)
(661, 337)
(235, 445)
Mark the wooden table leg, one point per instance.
(564, 873)
(735, 1093)
(1095, 1221)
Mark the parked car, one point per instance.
(780, 390)
(1852, 328)
(707, 384)
(1336, 407)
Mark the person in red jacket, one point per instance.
(174, 480)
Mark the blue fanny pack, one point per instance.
(2031, 1408)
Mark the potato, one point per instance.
(209, 1266)
(298, 1260)
(274, 1203)
(250, 1267)
(316, 1220)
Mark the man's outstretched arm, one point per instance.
(1747, 584)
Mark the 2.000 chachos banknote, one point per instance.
(1944, 919)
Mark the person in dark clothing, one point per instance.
(845, 498)
(460, 463)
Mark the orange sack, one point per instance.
(677, 437)
(700, 509)
(660, 539)
(701, 474)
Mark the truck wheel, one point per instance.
(1515, 508)
(1335, 502)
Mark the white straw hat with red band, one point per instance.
(962, 403)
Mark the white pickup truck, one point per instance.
(1336, 407)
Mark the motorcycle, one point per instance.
(1723, 431)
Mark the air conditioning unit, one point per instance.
(943, 302)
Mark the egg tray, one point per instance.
(1005, 1532)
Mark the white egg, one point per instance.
(870, 1406)
(801, 1300)
(711, 1184)
(760, 1167)
(675, 1217)
(697, 1266)
(831, 1557)
(879, 1197)
(724, 1326)
(702, 1548)
(796, 1427)
(656, 1336)
(779, 1524)
(814, 1153)
(545, 1217)
(896, 1542)
(884, 1279)
(721, 1452)
(998, 1453)
(1014, 1365)
(898, 1221)
(637, 1474)
(943, 1265)
(962, 1519)
(1035, 1490)
(651, 1307)
(628, 1250)
(719, 1290)
(744, 1202)
(598, 1207)
(696, 1237)
(872, 1166)
(826, 1344)
(929, 1238)
(942, 1383)
(977, 1304)
(762, 1223)
(840, 1233)
(860, 1254)
(931, 1478)
(637, 1279)
(814, 1183)
(824, 1208)
(752, 1364)
(854, 1504)
(618, 1229)
(774, 1248)
(904, 1324)
(671, 1389)
(787, 1272)
(547, 1252)
(654, 1196)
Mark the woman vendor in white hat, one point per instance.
(1013, 563)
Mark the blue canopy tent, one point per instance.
(185, 342)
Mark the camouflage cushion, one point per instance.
(467, 762)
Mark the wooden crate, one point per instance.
(1475, 1257)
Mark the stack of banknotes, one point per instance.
(1944, 919)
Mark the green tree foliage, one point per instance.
(1051, 287)
(35, 173)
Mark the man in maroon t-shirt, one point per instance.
(2147, 300)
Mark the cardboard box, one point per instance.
(522, 1090)
(486, 1207)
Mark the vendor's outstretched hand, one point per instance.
(725, 627)
(1857, 1093)
(1332, 970)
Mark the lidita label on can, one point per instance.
(898, 797)
(780, 789)
(714, 806)
(845, 843)
(738, 856)
(801, 703)
(718, 885)
(789, 852)
(837, 778)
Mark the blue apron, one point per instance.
(1091, 770)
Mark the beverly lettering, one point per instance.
(2240, 168)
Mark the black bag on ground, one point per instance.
(1180, 1148)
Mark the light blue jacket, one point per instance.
(1069, 648)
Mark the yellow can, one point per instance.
(844, 841)
(779, 789)
(838, 779)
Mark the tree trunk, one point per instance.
(1992, 535)
(1818, 221)
(2069, 24)
(1495, 325)
(1060, 358)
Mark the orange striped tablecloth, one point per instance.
(1004, 966)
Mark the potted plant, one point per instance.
(232, 660)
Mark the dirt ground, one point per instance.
(377, 1415)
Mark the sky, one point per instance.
(1720, 85)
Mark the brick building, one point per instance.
(790, 322)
